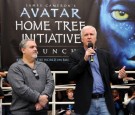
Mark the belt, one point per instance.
(97, 95)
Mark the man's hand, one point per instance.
(122, 73)
(38, 107)
(43, 100)
(89, 52)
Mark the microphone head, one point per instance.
(90, 45)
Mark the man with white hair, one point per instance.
(92, 70)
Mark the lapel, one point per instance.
(101, 61)
(102, 58)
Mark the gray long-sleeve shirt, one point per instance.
(26, 88)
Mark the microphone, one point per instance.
(90, 45)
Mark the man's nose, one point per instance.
(89, 36)
(35, 48)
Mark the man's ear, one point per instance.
(23, 50)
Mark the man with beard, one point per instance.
(31, 81)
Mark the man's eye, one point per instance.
(31, 47)
(86, 35)
(120, 15)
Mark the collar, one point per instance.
(20, 61)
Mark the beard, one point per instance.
(35, 55)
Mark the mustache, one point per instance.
(36, 52)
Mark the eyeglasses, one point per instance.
(36, 74)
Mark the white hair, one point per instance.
(85, 27)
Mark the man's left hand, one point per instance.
(122, 73)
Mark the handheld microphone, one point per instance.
(90, 45)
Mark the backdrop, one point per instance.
(55, 26)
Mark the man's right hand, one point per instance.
(89, 52)
(38, 107)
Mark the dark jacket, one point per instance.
(79, 70)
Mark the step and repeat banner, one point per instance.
(55, 26)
